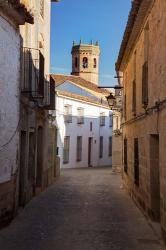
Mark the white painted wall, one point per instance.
(91, 113)
(9, 98)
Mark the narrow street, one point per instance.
(86, 209)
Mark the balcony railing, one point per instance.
(32, 73)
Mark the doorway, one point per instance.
(31, 162)
(90, 151)
(22, 173)
(155, 177)
(39, 157)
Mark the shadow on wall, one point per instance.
(38, 134)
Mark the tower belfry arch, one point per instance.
(85, 61)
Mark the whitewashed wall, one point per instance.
(9, 99)
(92, 114)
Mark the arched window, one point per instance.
(76, 62)
(94, 63)
(85, 62)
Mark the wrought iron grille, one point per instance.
(32, 73)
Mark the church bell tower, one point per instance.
(85, 61)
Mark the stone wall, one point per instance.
(148, 126)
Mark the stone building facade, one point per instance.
(85, 61)
(38, 147)
(142, 65)
(12, 14)
(117, 132)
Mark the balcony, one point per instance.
(32, 73)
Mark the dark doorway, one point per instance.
(31, 162)
(155, 177)
(22, 174)
(39, 157)
(89, 151)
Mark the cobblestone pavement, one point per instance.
(85, 210)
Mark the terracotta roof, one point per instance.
(136, 20)
(83, 98)
(59, 79)
(17, 11)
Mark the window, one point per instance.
(125, 155)
(102, 119)
(145, 84)
(80, 117)
(95, 63)
(134, 84)
(68, 113)
(136, 161)
(124, 104)
(42, 8)
(110, 146)
(85, 62)
(79, 148)
(101, 147)
(134, 98)
(76, 62)
(91, 126)
(66, 149)
(110, 119)
(41, 74)
(145, 67)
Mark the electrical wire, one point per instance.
(11, 138)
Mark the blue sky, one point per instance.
(102, 20)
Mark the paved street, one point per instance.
(85, 210)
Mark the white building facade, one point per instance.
(11, 16)
(84, 124)
(89, 143)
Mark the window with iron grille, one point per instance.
(124, 105)
(68, 113)
(134, 83)
(80, 116)
(110, 146)
(125, 155)
(101, 147)
(145, 84)
(136, 161)
(145, 67)
(42, 8)
(41, 74)
(102, 119)
(79, 148)
(134, 97)
(32, 73)
(66, 148)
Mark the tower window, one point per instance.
(94, 63)
(76, 62)
(85, 62)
